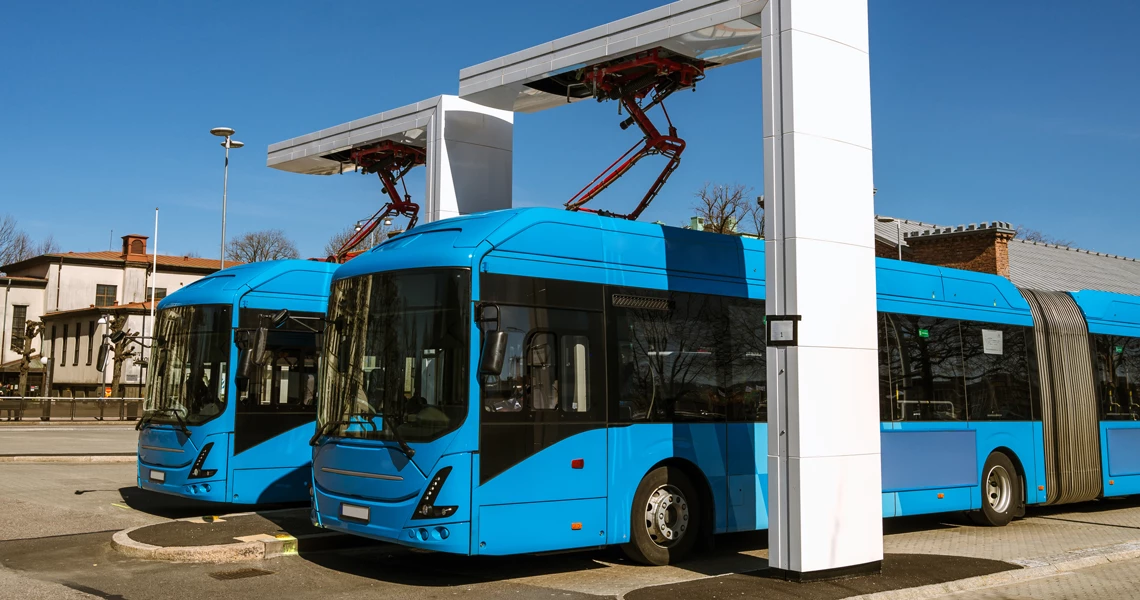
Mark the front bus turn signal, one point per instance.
(427, 509)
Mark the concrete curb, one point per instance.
(63, 458)
(221, 553)
(1033, 569)
(255, 547)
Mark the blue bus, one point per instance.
(536, 380)
(231, 388)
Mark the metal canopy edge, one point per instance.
(307, 153)
(718, 31)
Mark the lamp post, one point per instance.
(225, 132)
(898, 231)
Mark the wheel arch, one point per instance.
(1018, 466)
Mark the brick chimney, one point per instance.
(134, 246)
(983, 248)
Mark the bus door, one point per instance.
(541, 468)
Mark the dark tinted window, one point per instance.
(923, 378)
(997, 371)
(19, 327)
(1117, 361)
(550, 366)
(287, 378)
(78, 337)
(90, 340)
(688, 357)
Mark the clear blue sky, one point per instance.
(1013, 111)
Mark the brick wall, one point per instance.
(983, 249)
(885, 250)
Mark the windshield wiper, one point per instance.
(328, 425)
(164, 411)
(389, 424)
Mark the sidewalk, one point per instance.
(59, 440)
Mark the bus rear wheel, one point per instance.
(666, 518)
(1001, 492)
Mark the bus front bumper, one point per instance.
(174, 481)
(389, 522)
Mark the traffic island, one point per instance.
(229, 538)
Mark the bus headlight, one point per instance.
(196, 471)
(427, 509)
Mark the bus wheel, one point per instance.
(1001, 492)
(665, 519)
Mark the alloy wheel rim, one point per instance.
(666, 516)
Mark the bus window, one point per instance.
(673, 357)
(997, 371)
(926, 373)
(747, 375)
(1117, 360)
(542, 383)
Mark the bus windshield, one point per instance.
(395, 356)
(189, 364)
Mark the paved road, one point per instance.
(58, 547)
(62, 439)
(1115, 581)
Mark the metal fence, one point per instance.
(69, 409)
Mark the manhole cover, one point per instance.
(239, 574)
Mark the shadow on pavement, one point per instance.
(900, 571)
(176, 507)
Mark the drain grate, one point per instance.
(239, 574)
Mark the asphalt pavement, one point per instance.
(59, 519)
(57, 439)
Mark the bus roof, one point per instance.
(1110, 313)
(561, 239)
(277, 277)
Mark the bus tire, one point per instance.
(1002, 496)
(665, 520)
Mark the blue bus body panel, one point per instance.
(276, 470)
(1114, 314)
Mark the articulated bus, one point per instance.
(536, 380)
(231, 391)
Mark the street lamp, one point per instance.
(898, 231)
(225, 132)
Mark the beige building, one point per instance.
(70, 293)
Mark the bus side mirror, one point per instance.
(101, 360)
(252, 349)
(494, 353)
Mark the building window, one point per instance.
(78, 333)
(90, 340)
(105, 295)
(52, 344)
(19, 327)
(159, 294)
(63, 355)
(137, 247)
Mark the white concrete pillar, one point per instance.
(469, 159)
(825, 502)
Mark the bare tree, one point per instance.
(17, 245)
(340, 238)
(1036, 235)
(47, 246)
(727, 208)
(257, 246)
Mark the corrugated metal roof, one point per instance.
(889, 232)
(1048, 267)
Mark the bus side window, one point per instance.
(540, 365)
(575, 375)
